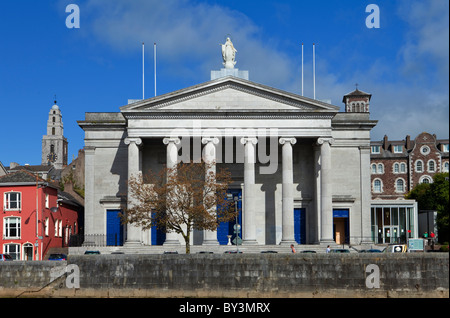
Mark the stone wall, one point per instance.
(228, 275)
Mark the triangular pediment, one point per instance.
(229, 94)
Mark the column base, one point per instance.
(288, 243)
(210, 242)
(132, 244)
(249, 242)
(171, 242)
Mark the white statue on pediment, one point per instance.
(228, 54)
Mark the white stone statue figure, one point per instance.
(228, 54)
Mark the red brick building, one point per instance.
(397, 166)
(36, 216)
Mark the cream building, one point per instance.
(300, 167)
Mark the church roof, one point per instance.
(228, 94)
(356, 93)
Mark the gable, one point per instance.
(229, 94)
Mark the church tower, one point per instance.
(54, 144)
(357, 101)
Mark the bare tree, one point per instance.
(180, 199)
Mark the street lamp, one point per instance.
(237, 226)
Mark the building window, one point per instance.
(402, 167)
(396, 168)
(13, 250)
(12, 201)
(380, 168)
(11, 228)
(426, 179)
(47, 201)
(398, 148)
(377, 186)
(374, 168)
(419, 166)
(46, 226)
(400, 185)
(431, 166)
(445, 147)
(425, 150)
(375, 149)
(445, 167)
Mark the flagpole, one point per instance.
(154, 49)
(314, 69)
(143, 73)
(302, 69)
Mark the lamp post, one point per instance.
(237, 226)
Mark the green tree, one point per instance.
(435, 196)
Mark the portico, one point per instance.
(285, 152)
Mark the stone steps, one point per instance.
(195, 249)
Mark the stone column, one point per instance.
(89, 180)
(287, 236)
(133, 232)
(366, 196)
(209, 157)
(248, 216)
(326, 218)
(172, 158)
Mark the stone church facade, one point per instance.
(300, 167)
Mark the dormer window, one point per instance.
(398, 148)
(375, 149)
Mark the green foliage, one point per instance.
(435, 196)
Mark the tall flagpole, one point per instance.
(302, 69)
(154, 53)
(143, 86)
(314, 69)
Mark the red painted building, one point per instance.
(35, 216)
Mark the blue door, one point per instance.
(114, 228)
(158, 235)
(227, 228)
(300, 225)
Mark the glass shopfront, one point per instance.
(392, 224)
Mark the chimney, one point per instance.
(408, 142)
(385, 142)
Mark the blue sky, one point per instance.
(404, 64)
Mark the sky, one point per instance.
(403, 63)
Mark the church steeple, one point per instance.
(54, 144)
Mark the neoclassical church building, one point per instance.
(300, 167)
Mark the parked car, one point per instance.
(340, 250)
(372, 250)
(91, 252)
(396, 248)
(5, 257)
(57, 257)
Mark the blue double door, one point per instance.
(228, 228)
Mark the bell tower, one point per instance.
(54, 144)
(357, 101)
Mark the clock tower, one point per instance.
(54, 144)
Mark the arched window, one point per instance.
(445, 167)
(419, 166)
(380, 168)
(374, 168)
(400, 185)
(431, 166)
(396, 168)
(377, 186)
(402, 167)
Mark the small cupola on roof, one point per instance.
(357, 101)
